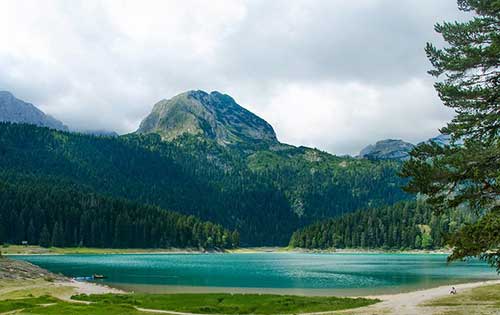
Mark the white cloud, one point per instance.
(344, 117)
(332, 74)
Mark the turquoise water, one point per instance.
(268, 272)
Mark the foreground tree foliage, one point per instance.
(405, 225)
(467, 172)
(48, 214)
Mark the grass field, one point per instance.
(49, 305)
(231, 303)
(114, 304)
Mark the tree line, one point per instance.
(405, 225)
(48, 214)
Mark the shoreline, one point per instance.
(18, 250)
(338, 292)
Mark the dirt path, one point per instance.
(410, 303)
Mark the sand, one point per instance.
(411, 303)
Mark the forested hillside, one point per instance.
(405, 225)
(265, 194)
(50, 214)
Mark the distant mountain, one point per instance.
(213, 116)
(389, 149)
(99, 133)
(441, 139)
(15, 110)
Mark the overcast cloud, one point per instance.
(332, 74)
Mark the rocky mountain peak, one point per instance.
(389, 149)
(213, 115)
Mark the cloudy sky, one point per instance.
(331, 74)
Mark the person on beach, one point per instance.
(453, 290)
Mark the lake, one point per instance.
(312, 274)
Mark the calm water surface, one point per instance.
(349, 274)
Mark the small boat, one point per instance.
(96, 276)
(83, 278)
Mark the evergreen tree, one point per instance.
(79, 218)
(427, 241)
(418, 242)
(31, 233)
(2, 230)
(44, 237)
(399, 226)
(57, 235)
(467, 172)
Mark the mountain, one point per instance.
(17, 111)
(214, 116)
(230, 171)
(389, 149)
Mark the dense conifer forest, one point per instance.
(264, 193)
(48, 214)
(405, 225)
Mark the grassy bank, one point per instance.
(111, 304)
(217, 303)
(37, 250)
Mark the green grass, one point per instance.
(16, 304)
(51, 306)
(117, 304)
(34, 250)
(82, 309)
(230, 303)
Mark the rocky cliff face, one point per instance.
(17, 111)
(389, 149)
(213, 115)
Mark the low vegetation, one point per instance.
(230, 303)
(40, 299)
(38, 250)
(51, 305)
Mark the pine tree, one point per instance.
(57, 235)
(466, 172)
(44, 237)
(31, 234)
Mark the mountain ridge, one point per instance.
(15, 110)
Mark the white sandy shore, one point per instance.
(82, 287)
(410, 303)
